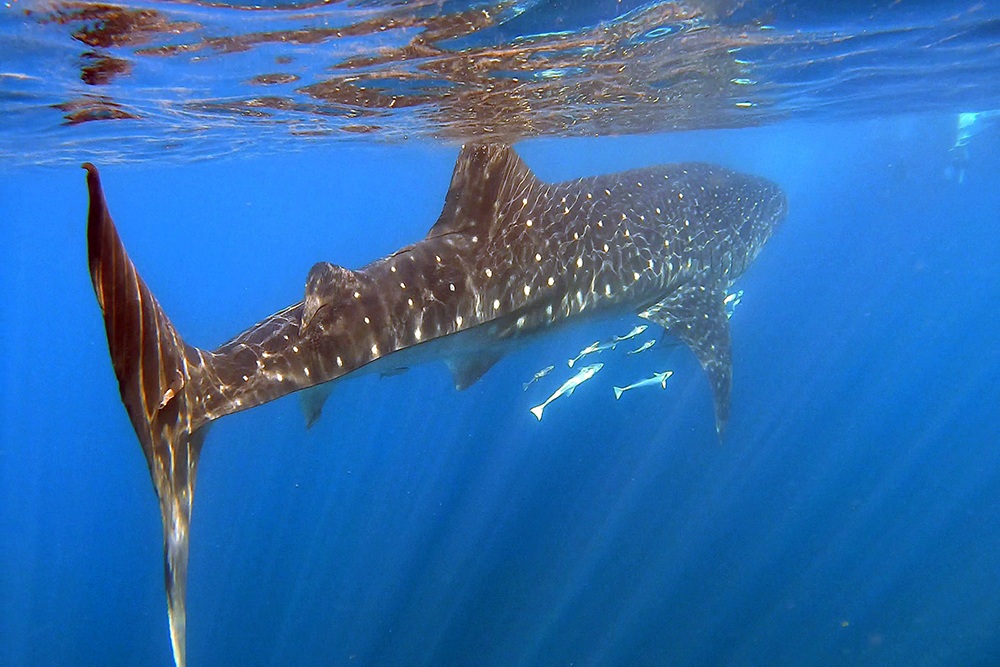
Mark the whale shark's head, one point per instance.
(775, 208)
(760, 208)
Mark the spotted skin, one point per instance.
(510, 256)
(511, 252)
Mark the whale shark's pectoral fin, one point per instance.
(467, 370)
(696, 315)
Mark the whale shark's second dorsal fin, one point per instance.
(486, 177)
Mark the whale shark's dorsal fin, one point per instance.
(486, 177)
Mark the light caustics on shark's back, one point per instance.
(509, 256)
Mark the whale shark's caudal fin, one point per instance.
(155, 369)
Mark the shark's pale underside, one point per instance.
(509, 256)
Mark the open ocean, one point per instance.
(851, 516)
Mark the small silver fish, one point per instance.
(538, 376)
(638, 329)
(594, 347)
(658, 378)
(731, 301)
(568, 387)
(642, 348)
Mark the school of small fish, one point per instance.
(569, 386)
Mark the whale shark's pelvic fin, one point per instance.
(154, 369)
(311, 402)
(696, 315)
(467, 370)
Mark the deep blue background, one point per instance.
(852, 516)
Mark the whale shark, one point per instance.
(510, 257)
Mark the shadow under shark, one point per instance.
(509, 256)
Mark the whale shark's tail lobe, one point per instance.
(154, 367)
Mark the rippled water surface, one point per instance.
(207, 78)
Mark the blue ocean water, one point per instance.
(850, 517)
